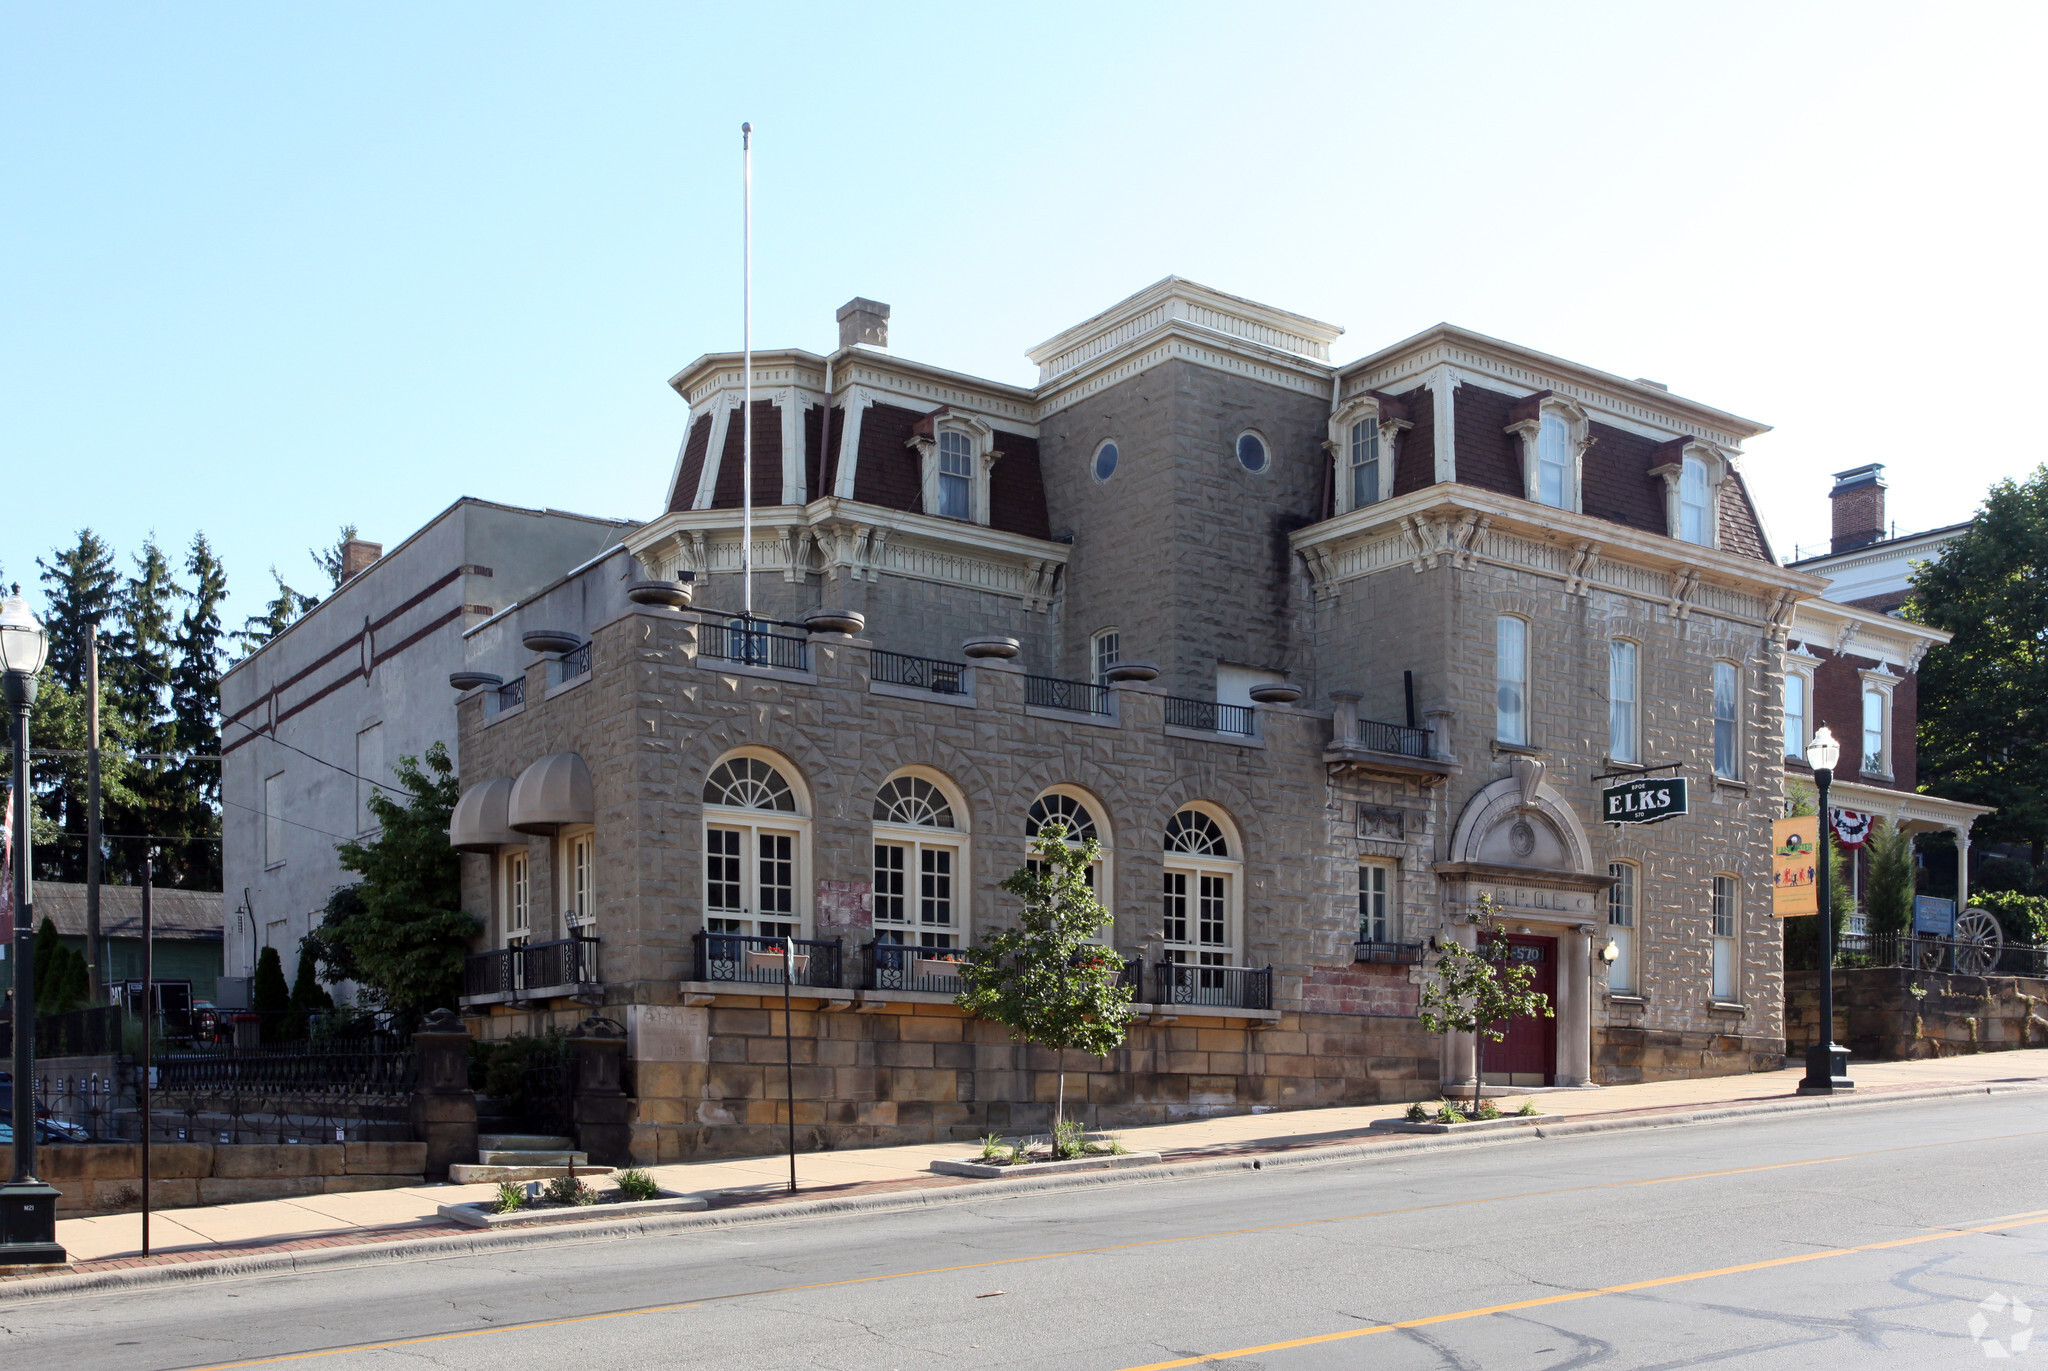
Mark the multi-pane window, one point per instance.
(516, 895)
(1365, 462)
(755, 851)
(579, 863)
(1554, 462)
(1874, 750)
(1724, 937)
(1058, 807)
(1375, 918)
(1621, 926)
(1200, 891)
(1106, 649)
(918, 853)
(956, 475)
(1511, 679)
(1795, 714)
(1695, 524)
(1726, 679)
(1623, 735)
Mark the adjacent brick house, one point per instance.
(1320, 654)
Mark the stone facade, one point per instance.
(1898, 1014)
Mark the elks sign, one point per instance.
(1644, 800)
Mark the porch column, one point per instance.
(1459, 1056)
(1574, 1009)
(1962, 833)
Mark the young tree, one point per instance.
(1044, 980)
(403, 936)
(330, 559)
(1888, 899)
(1983, 698)
(279, 614)
(1479, 991)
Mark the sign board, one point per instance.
(1795, 866)
(1934, 917)
(1643, 800)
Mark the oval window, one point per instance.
(1251, 451)
(1105, 461)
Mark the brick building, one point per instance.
(1320, 655)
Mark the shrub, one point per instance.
(1450, 1113)
(1488, 1109)
(511, 1196)
(1528, 1109)
(636, 1184)
(994, 1150)
(1417, 1114)
(1067, 1138)
(498, 1069)
(570, 1189)
(2022, 918)
(2004, 875)
(1888, 900)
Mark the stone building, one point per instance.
(1320, 654)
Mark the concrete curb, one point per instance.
(487, 1243)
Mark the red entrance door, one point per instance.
(1528, 1055)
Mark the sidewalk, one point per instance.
(317, 1221)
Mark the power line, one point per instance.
(143, 837)
(259, 733)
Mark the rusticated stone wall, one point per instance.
(1895, 1014)
(106, 1178)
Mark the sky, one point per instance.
(265, 270)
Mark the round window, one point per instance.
(1251, 451)
(1105, 461)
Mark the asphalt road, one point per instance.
(1845, 1238)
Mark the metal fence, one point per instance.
(742, 642)
(1395, 738)
(759, 961)
(510, 973)
(1225, 987)
(512, 694)
(576, 663)
(904, 966)
(1927, 954)
(1208, 716)
(919, 673)
(1051, 692)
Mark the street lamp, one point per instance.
(28, 1208)
(1827, 1064)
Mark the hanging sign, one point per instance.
(1643, 800)
(1934, 916)
(1795, 865)
(1851, 828)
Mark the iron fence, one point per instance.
(742, 642)
(1398, 739)
(919, 673)
(512, 694)
(1907, 950)
(905, 966)
(1080, 697)
(1225, 987)
(1208, 716)
(759, 961)
(576, 663)
(510, 973)
(1387, 953)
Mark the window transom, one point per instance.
(1194, 832)
(749, 783)
(913, 801)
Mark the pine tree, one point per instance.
(308, 995)
(135, 683)
(330, 559)
(81, 591)
(1888, 900)
(278, 615)
(269, 994)
(195, 722)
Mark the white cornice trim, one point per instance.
(1178, 342)
(1193, 305)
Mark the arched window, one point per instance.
(1204, 873)
(1076, 809)
(757, 856)
(920, 862)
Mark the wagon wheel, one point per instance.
(1979, 940)
(1930, 954)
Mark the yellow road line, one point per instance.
(1110, 1247)
(2020, 1221)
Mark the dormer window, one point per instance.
(1365, 463)
(958, 452)
(1361, 441)
(1692, 501)
(956, 475)
(1693, 471)
(1555, 435)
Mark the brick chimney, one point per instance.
(356, 556)
(1858, 498)
(864, 323)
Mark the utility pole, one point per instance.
(95, 972)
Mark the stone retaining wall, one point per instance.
(1893, 1014)
(106, 1178)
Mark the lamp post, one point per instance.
(1827, 1064)
(28, 1208)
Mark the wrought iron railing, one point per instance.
(919, 673)
(904, 966)
(1209, 716)
(1051, 692)
(759, 961)
(749, 645)
(1387, 953)
(512, 694)
(1959, 957)
(1398, 739)
(374, 1063)
(509, 973)
(1223, 987)
(576, 663)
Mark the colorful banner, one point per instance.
(1851, 828)
(1795, 866)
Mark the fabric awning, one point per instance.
(478, 823)
(553, 791)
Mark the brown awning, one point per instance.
(553, 791)
(478, 823)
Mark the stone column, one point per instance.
(443, 1105)
(603, 1111)
(1574, 1008)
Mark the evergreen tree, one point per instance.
(1888, 900)
(330, 559)
(135, 683)
(195, 723)
(60, 973)
(308, 995)
(269, 994)
(81, 591)
(282, 611)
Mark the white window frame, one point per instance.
(1379, 900)
(1624, 925)
(1724, 916)
(1714, 464)
(1348, 422)
(1102, 874)
(576, 860)
(1795, 746)
(1877, 685)
(1105, 650)
(1501, 679)
(1191, 869)
(273, 821)
(1733, 672)
(982, 456)
(916, 842)
(1624, 700)
(1575, 433)
(515, 886)
(752, 825)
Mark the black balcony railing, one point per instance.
(1208, 716)
(1395, 738)
(751, 645)
(576, 663)
(759, 961)
(513, 973)
(1387, 953)
(1222, 987)
(903, 966)
(1131, 976)
(919, 673)
(512, 694)
(1050, 692)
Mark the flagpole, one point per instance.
(747, 367)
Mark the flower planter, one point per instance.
(1468, 1126)
(969, 1166)
(772, 961)
(479, 1214)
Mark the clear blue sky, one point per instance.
(270, 268)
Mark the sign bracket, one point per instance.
(1637, 771)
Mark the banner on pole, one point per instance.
(1795, 866)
